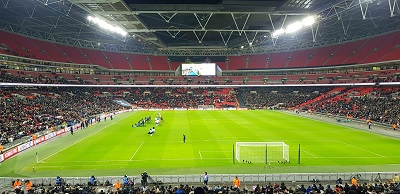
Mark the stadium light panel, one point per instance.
(293, 27)
(278, 33)
(103, 24)
(308, 21)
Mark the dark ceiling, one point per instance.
(199, 27)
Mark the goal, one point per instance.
(262, 152)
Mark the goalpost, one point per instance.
(262, 152)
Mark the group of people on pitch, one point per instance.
(141, 122)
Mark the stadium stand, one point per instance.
(321, 55)
(221, 65)
(257, 61)
(278, 60)
(138, 62)
(343, 52)
(368, 48)
(379, 48)
(159, 63)
(299, 58)
(316, 186)
(75, 55)
(236, 62)
(118, 60)
(50, 50)
(96, 57)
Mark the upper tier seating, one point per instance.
(321, 55)
(118, 60)
(159, 63)
(51, 51)
(368, 49)
(278, 60)
(257, 61)
(138, 62)
(72, 53)
(237, 62)
(343, 52)
(299, 58)
(375, 49)
(97, 57)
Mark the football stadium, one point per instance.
(199, 97)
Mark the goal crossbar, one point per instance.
(262, 152)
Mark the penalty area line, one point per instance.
(136, 151)
(310, 154)
(382, 156)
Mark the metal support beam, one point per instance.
(223, 39)
(127, 22)
(93, 1)
(5, 3)
(166, 17)
(363, 9)
(111, 12)
(196, 30)
(221, 12)
(392, 6)
(202, 37)
(244, 25)
(314, 31)
(207, 19)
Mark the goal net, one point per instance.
(262, 152)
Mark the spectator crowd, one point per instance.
(126, 186)
(28, 110)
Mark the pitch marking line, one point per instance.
(344, 157)
(136, 151)
(181, 159)
(314, 156)
(201, 157)
(382, 156)
(42, 160)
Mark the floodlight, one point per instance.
(103, 24)
(278, 33)
(308, 21)
(294, 27)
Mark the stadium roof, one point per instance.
(199, 27)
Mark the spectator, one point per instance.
(236, 182)
(28, 186)
(17, 184)
(396, 178)
(117, 186)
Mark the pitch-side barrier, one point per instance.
(221, 179)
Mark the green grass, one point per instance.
(114, 147)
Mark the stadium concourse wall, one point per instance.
(18, 148)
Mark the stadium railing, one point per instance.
(218, 179)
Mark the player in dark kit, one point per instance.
(184, 138)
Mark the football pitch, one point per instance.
(115, 148)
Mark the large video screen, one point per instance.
(198, 69)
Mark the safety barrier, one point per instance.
(221, 179)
